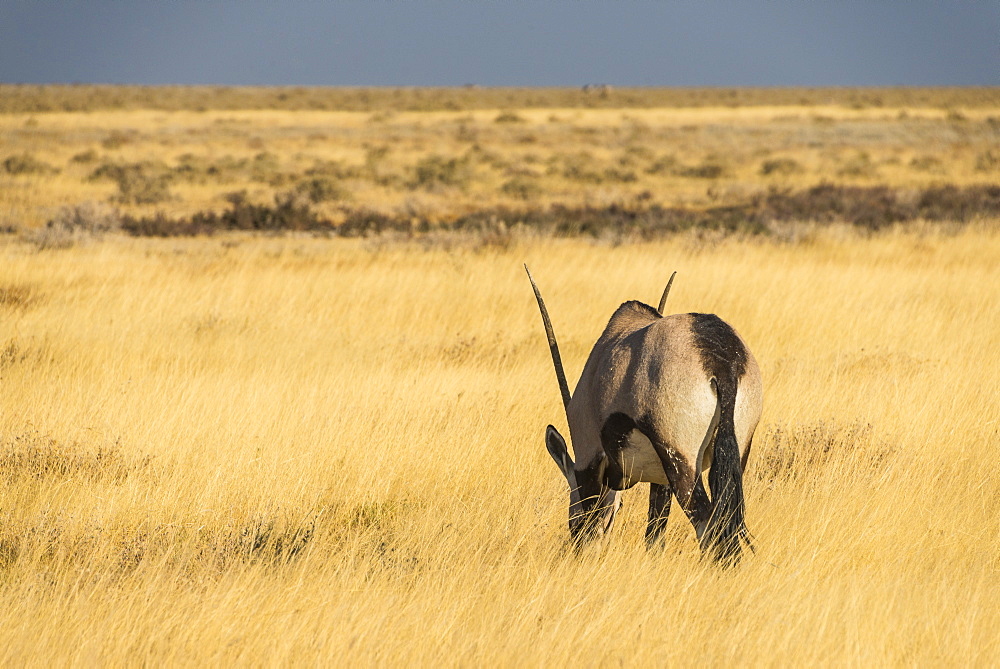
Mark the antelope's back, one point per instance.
(658, 371)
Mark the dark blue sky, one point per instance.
(528, 43)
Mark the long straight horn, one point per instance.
(666, 291)
(553, 346)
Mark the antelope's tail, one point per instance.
(727, 532)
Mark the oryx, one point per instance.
(661, 399)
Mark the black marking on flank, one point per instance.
(723, 355)
(614, 435)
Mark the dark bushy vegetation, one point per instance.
(782, 166)
(877, 207)
(508, 116)
(75, 224)
(138, 183)
(290, 212)
(521, 186)
(872, 208)
(322, 189)
(26, 163)
(435, 171)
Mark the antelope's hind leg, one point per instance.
(659, 509)
(684, 482)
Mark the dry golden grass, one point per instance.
(282, 451)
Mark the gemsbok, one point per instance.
(660, 400)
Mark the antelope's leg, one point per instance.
(683, 481)
(687, 486)
(695, 503)
(659, 509)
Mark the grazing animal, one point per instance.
(661, 399)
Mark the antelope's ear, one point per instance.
(556, 446)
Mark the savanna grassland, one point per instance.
(283, 446)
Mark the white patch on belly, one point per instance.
(640, 461)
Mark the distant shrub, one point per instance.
(434, 171)
(26, 163)
(522, 187)
(138, 183)
(116, 139)
(87, 156)
(780, 166)
(290, 212)
(376, 166)
(334, 169)
(635, 152)
(860, 166)
(581, 166)
(464, 133)
(322, 189)
(197, 169)
(620, 175)
(710, 169)
(266, 168)
(988, 161)
(665, 164)
(926, 164)
(71, 225)
(263, 167)
(508, 116)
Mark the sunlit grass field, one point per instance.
(251, 450)
(286, 449)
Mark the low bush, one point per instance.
(522, 187)
(116, 139)
(709, 169)
(780, 166)
(435, 171)
(26, 163)
(322, 189)
(926, 164)
(663, 165)
(581, 166)
(508, 116)
(87, 156)
(988, 161)
(72, 225)
(290, 212)
(138, 183)
(860, 166)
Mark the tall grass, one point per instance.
(268, 451)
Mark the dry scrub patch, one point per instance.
(439, 162)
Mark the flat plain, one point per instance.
(294, 449)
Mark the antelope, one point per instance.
(661, 400)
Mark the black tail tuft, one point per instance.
(727, 532)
